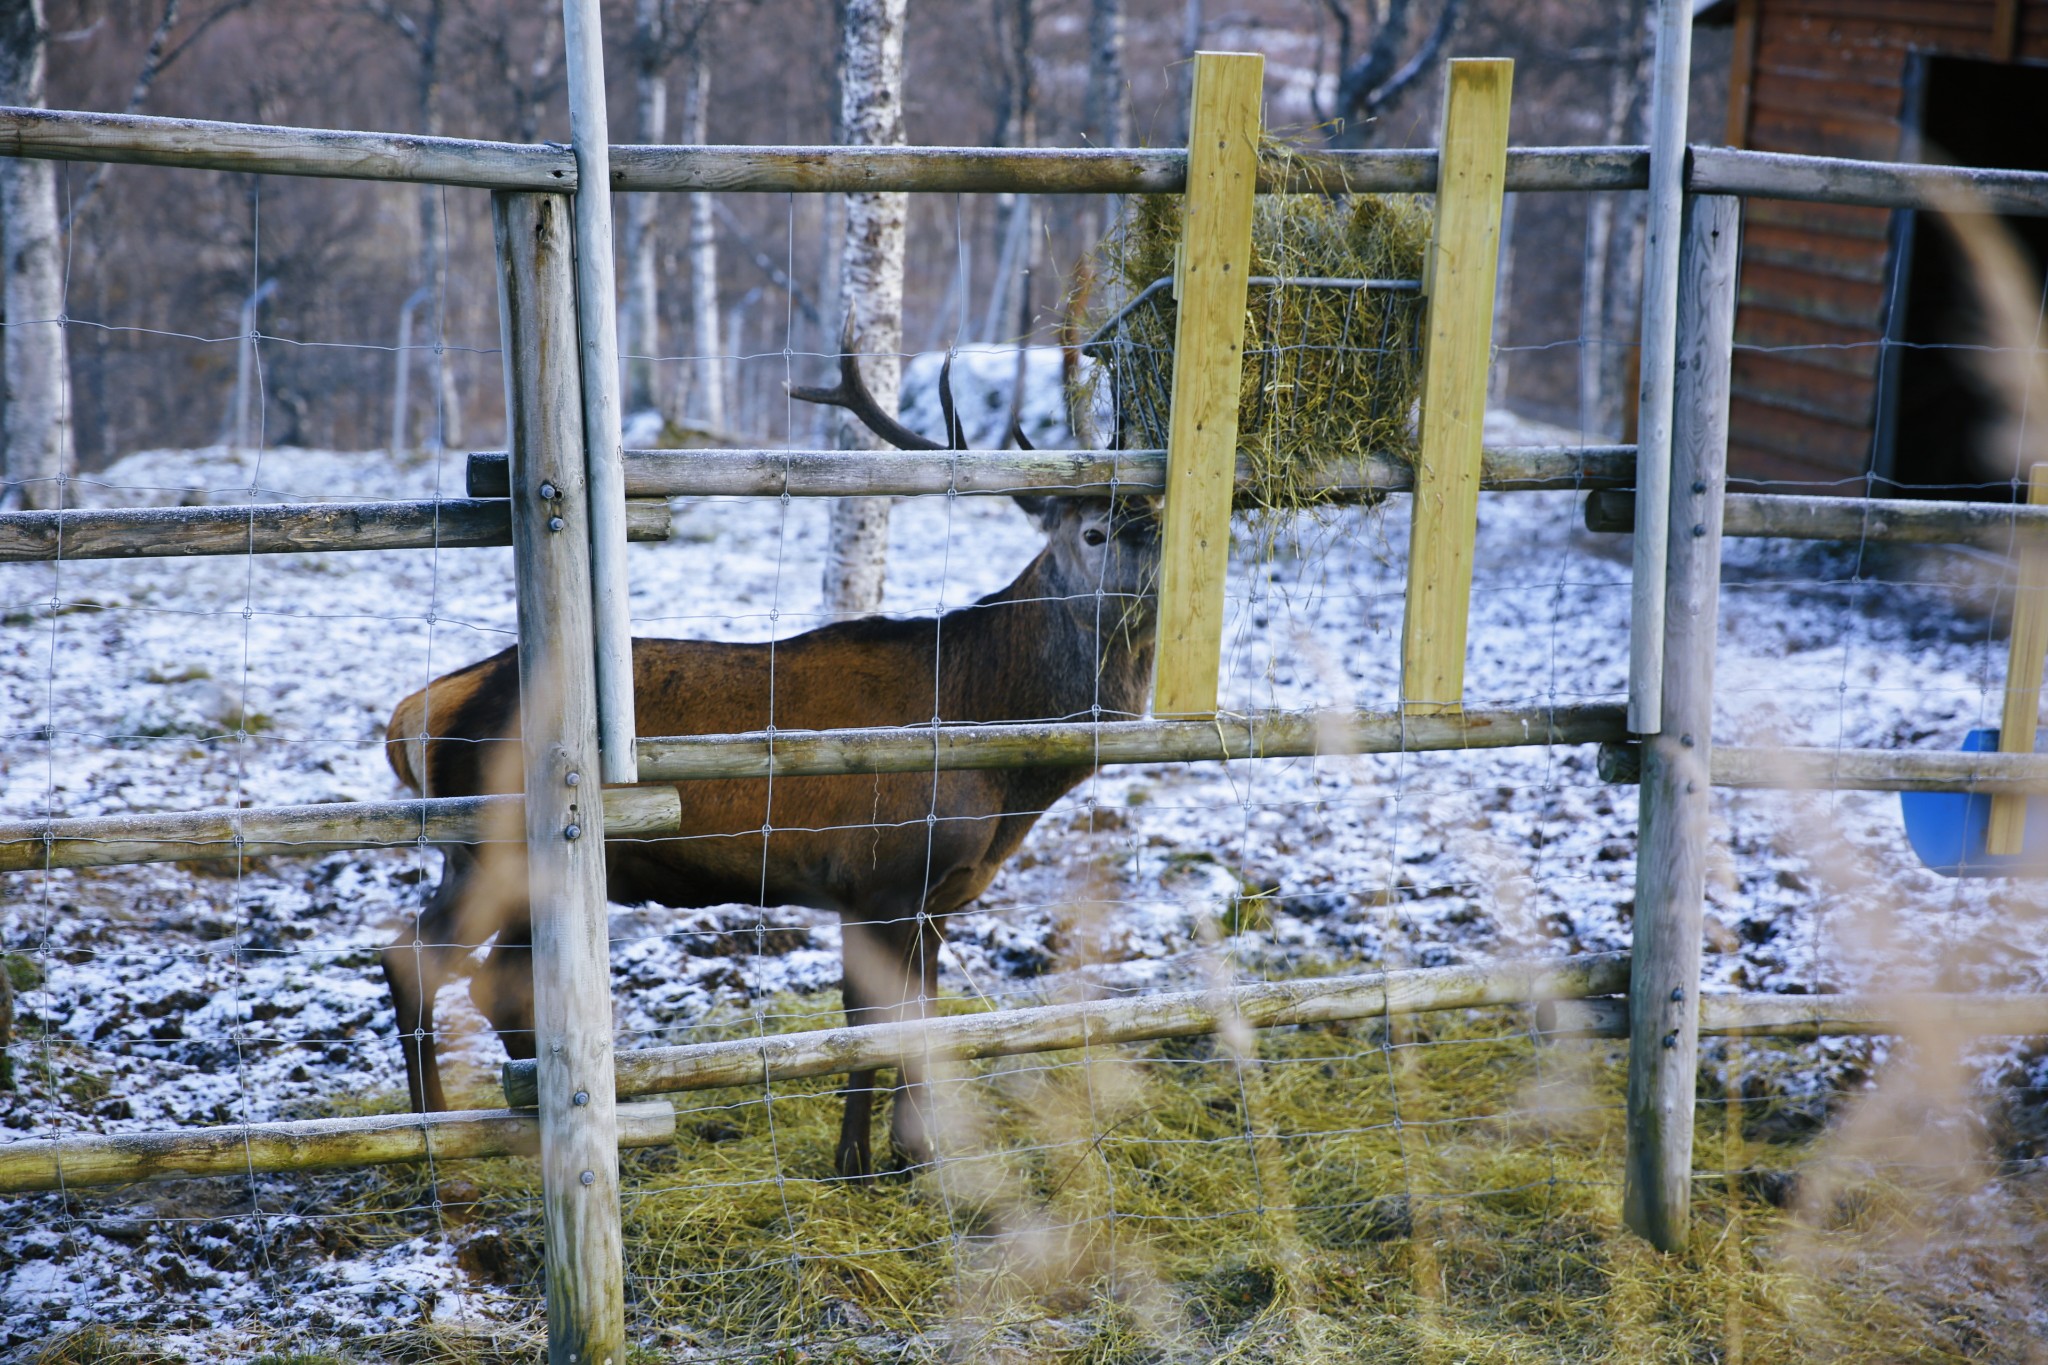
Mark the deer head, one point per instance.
(1097, 548)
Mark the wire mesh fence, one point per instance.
(1414, 1182)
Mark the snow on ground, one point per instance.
(197, 994)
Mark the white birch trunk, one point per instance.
(1625, 288)
(703, 255)
(37, 408)
(1598, 413)
(1107, 113)
(871, 286)
(1503, 292)
(1107, 122)
(401, 370)
(831, 240)
(640, 314)
(433, 274)
(448, 414)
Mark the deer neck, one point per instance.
(1073, 654)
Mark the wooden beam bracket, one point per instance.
(1212, 268)
(2028, 652)
(1464, 259)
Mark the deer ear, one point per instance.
(1040, 508)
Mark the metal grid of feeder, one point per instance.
(1332, 367)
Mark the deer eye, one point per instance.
(1093, 536)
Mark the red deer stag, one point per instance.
(1070, 638)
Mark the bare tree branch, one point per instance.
(767, 263)
(407, 27)
(155, 61)
(1371, 84)
(214, 16)
(1425, 57)
(1357, 80)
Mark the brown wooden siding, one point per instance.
(1826, 78)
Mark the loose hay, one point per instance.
(1433, 1189)
(1330, 373)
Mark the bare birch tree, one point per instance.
(157, 58)
(664, 30)
(1015, 92)
(1194, 20)
(37, 400)
(870, 285)
(1602, 366)
(1106, 117)
(422, 30)
(708, 394)
(640, 309)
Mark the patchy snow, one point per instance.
(194, 994)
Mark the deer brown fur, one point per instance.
(1070, 638)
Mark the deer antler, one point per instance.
(852, 394)
(956, 439)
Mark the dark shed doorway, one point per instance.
(1939, 421)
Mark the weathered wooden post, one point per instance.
(572, 1003)
(604, 447)
(1663, 1053)
(1654, 401)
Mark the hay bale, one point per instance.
(1330, 373)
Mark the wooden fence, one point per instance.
(557, 436)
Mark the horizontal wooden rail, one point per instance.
(1050, 1028)
(1056, 170)
(1906, 521)
(842, 473)
(954, 748)
(1880, 184)
(654, 811)
(269, 149)
(106, 841)
(1764, 1015)
(277, 528)
(67, 135)
(1797, 768)
(309, 1145)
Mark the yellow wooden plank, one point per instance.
(1208, 360)
(2029, 651)
(1457, 348)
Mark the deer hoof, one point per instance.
(855, 1162)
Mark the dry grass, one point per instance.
(1441, 1189)
(1447, 1191)
(1329, 374)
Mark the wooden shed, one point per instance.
(1840, 374)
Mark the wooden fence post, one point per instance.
(1464, 260)
(572, 1003)
(604, 459)
(1655, 375)
(1664, 1011)
(1208, 369)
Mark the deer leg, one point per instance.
(865, 991)
(855, 1157)
(502, 990)
(911, 1118)
(416, 965)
